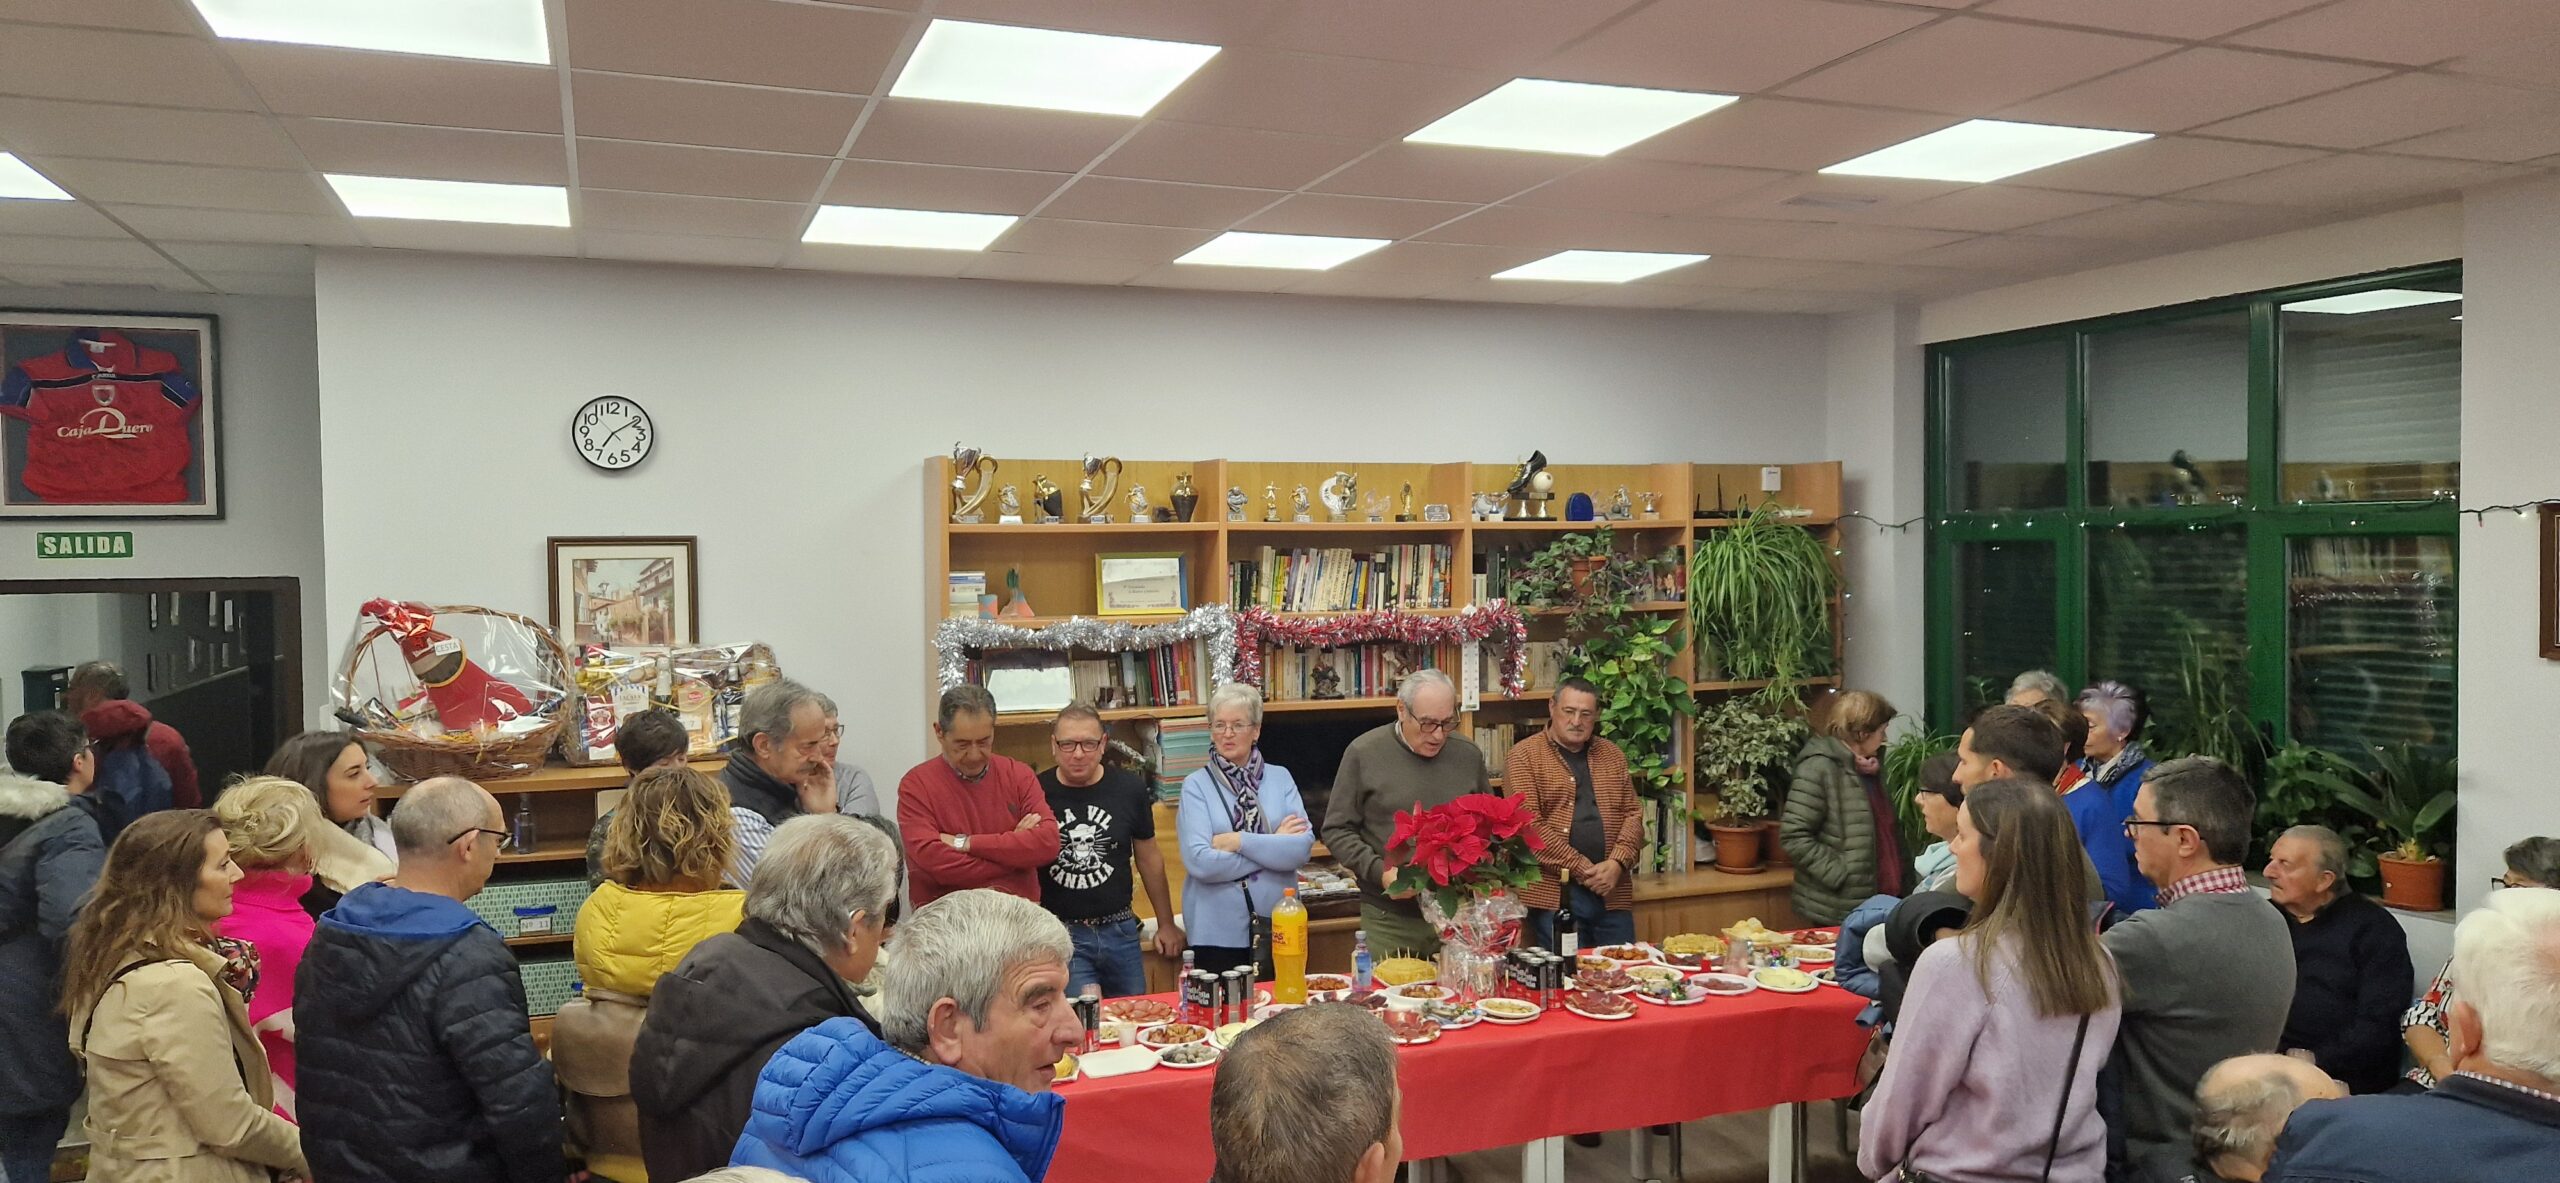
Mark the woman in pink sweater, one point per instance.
(1994, 1072)
(276, 832)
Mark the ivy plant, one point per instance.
(1628, 654)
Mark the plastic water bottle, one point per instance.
(522, 835)
(1363, 966)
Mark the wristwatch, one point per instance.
(960, 842)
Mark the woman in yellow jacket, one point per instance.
(178, 1084)
(668, 846)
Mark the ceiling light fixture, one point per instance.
(967, 62)
(1573, 118)
(489, 30)
(1984, 150)
(20, 180)
(913, 229)
(452, 201)
(2378, 300)
(1297, 252)
(1600, 266)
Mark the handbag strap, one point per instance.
(112, 979)
(2063, 1107)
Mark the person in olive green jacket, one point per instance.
(1839, 825)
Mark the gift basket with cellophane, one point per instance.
(453, 689)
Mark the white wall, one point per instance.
(793, 412)
(1872, 383)
(271, 457)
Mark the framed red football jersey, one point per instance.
(108, 416)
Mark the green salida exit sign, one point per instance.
(84, 544)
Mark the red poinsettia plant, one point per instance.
(1468, 847)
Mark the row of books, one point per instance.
(1290, 673)
(1496, 740)
(1182, 748)
(1340, 579)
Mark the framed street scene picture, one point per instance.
(105, 415)
(1140, 584)
(624, 591)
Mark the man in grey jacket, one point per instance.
(50, 855)
(2208, 975)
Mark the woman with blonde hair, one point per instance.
(669, 845)
(277, 835)
(1840, 827)
(178, 1084)
(1994, 1072)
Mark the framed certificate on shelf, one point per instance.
(1146, 583)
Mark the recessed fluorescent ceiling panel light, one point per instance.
(491, 30)
(20, 181)
(2373, 301)
(1599, 266)
(1985, 150)
(1297, 252)
(920, 229)
(1574, 118)
(967, 62)
(452, 201)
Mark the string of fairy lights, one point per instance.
(2205, 518)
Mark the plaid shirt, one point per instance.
(2218, 881)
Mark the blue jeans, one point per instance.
(1106, 956)
(1593, 922)
(27, 1142)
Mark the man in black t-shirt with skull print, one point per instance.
(1106, 820)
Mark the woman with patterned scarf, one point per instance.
(178, 1085)
(1244, 835)
(2116, 764)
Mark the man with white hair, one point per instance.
(2035, 686)
(2497, 1118)
(2351, 971)
(975, 1018)
(2242, 1104)
(1309, 1096)
(1416, 761)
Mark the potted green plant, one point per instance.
(2297, 790)
(2408, 796)
(1739, 742)
(1903, 759)
(1760, 594)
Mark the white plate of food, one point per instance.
(1783, 980)
(1403, 971)
(1165, 1035)
(1625, 955)
(1453, 1015)
(1593, 1004)
(1188, 1055)
(1677, 992)
(1648, 973)
(1409, 1029)
(1225, 1037)
(1813, 954)
(1725, 984)
(1417, 995)
(1118, 1061)
(1613, 981)
(1328, 987)
(1509, 1011)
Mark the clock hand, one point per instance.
(626, 426)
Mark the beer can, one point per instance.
(1239, 995)
(1199, 995)
(1089, 1011)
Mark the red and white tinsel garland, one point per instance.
(1497, 623)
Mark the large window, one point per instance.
(2244, 506)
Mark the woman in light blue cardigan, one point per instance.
(1244, 835)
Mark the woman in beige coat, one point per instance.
(178, 1084)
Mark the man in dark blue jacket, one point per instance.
(2497, 1118)
(417, 1063)
(49, 859)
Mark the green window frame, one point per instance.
(2266, 520)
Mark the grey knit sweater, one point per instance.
(2206, 978)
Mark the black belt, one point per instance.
(1099, 921)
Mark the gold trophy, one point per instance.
(966, 460)
(1097, 503)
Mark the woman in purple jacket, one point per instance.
(1994, 1071)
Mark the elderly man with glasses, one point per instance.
(1414, 761)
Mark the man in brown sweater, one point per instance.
(1414, 761)
(1577, 785)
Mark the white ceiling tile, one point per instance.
(711, 114)
(1227, 22)
(1355, 217)
(43, 61)
(1158, 203)
(697, 249)
(61, 219)
(926, 132)
(877, 260)
(1440, 262)
(2171, 223)
(1967, 66)
(808, 46)
(2511, 140)
(2394, 108)
(259, 283)
(1904, 281)
(1086, 269)
(2187, 20)
(1108, 240)
(707, 172)
(193, 185)
(2020, 253)
(2188, 88)
(78, 252)
(1637, 295)
(155, 16)
(477, 238)
(1219, 279)
(1510, 291)
(1994, 208)
(2528, 61)
(240, 138)
(1645, 187)
(1744, 271)
(436, 153)
(616, 211)
(1792, 303)
(1202, 154)
(2416, 32)
(2351, 181)
(2163, 165)
(1505, 35)
(1726, 46)
(1312, 94)
(400, 88)
(164, 278)
(1778, 134)
(1440, 172)
(1370, 285)
(1813, 197)
(237, 257)
(1859, 244)
(893, 184)
(222, 225)
(1558, 230)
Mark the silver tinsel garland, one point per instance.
(1209, 623)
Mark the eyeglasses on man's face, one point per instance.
(1076, 745)
(506, 841)
(2133, 823)
(1434, 726)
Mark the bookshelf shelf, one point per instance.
(1357, 611)
(1403, 529)
(1294, 705)
(1643, 606)
(1089, 529)
(1114, 715)
(1561, 527)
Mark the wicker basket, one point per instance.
(418, 758)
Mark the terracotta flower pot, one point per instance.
(1737, 848)
(2414, 886)
(1771, 850)
(1582, 571)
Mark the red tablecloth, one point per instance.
(1492, 1085)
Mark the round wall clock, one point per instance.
(612, 432)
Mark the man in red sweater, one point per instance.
(97, 683)
(970, 817)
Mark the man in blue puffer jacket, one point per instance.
(976, 1018)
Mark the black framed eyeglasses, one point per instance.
(506, 841)
(2165, 826)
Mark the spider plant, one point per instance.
(1760, 594)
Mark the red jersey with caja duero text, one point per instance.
(106, 421)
